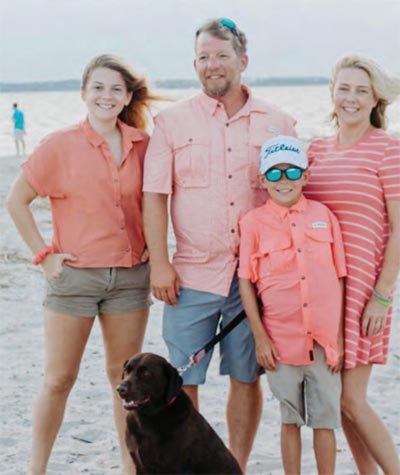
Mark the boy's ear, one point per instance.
(306, 176)
(262, 180)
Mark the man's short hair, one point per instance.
(225, 29)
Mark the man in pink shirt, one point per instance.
(292, 249)
(204, 153)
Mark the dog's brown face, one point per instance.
(149, 383)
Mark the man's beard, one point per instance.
(217, 91)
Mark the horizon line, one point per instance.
(176, 83)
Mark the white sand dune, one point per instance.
(87, 441)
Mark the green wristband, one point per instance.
(385, 302)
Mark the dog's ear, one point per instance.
(123, 368)
(174, 382)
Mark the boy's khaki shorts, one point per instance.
(90, 292)
(308, 394)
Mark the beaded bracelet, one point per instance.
(42, 254)
(380, 299)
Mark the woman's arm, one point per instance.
(374, 316)
(18, 204)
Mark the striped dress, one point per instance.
(355, 183)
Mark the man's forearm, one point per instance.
(155, 219)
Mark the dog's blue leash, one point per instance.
(200, 354)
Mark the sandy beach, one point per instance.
(87, 441)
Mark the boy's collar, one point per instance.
(283, 211)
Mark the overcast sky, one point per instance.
(54, 39)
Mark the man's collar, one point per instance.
(211, 104)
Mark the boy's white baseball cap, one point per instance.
(282, 149)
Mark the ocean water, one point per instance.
(46, 112)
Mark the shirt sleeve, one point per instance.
(389, 171)
(337, 246)
(42, 168)
(247, 249)
(159, 159)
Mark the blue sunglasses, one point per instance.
(231, 25)
(275, 174)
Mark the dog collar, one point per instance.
(171, 401)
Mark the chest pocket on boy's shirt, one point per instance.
(319, 245)
(192, 162)
(276, 255)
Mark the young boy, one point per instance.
(292, 249)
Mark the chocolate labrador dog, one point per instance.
(165, 434)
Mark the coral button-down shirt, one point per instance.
(209, 163)
(296, 257)
(96, 204)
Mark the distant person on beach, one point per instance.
(204, 153)
(96, 263)
(19, 128)
(356, 173)
(291, 248)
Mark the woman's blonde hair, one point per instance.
(137, 112)
(386, 88)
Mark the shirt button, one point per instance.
(229, 149)
(236, 255)
(231, 203)
(303, 277)
(122, 228)
(229, 176)
(190, 140)
(294, 225)
(290, 211)
(116, 180)
(232, 231)
(128, 250)
(227, 124)
(118, 203)
(298, 249)
(305, 304)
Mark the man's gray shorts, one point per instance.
(194, 320)
(19, 134)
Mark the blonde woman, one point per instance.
(356, 174)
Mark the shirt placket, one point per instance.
(296, 224)
(117, 197)
(232, 180)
